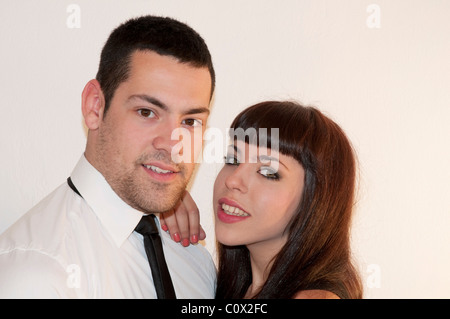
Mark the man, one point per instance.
(155, 77)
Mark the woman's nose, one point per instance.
(238, 178)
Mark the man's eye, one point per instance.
(146, 113)
(230, 160)
(192, 122)
(269, 173)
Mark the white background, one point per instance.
(386, 82)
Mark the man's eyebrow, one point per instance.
(149, 99)
(163, 106)
(197, 110)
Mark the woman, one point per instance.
(283, 215)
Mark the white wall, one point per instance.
(386, 81)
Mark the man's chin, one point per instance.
(150, 197)
(159, 202)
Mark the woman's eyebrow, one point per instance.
(267, 158)
(262, 158)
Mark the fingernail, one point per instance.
(176, 237)
(194, 239)
(164, 227)
(185, 242)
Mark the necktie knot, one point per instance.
(147, 226)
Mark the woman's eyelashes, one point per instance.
(265, 171)
(269, 173)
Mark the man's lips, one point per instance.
(161, 168)
(161, 172)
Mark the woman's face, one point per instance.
(255, 195)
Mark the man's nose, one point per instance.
(163, 140)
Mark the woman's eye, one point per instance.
(192, 122)
(269, 173)
(230, 160)
(146, 113)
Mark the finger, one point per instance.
(170, 221)
(202, 234)
(193, 217)
(163, 222)
(181, 215)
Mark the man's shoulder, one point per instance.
(33, 273)
(42, 226)
(32, 250)
(194, 258)
(192, 266)
(197, 252)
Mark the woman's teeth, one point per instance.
(158, 170)
(231, 210)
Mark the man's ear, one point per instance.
(92, 104)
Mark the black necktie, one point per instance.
(153, 248)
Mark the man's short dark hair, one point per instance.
(162, 35)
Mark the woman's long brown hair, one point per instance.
(317, 252)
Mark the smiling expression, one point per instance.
(254, 200)
(133, 141)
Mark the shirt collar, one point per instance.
(118, 218)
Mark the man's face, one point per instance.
(134, 145)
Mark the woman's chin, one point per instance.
(227, 238)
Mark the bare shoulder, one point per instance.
(315, 294)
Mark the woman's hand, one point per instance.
(183, 222)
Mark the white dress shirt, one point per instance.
(73, 247)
